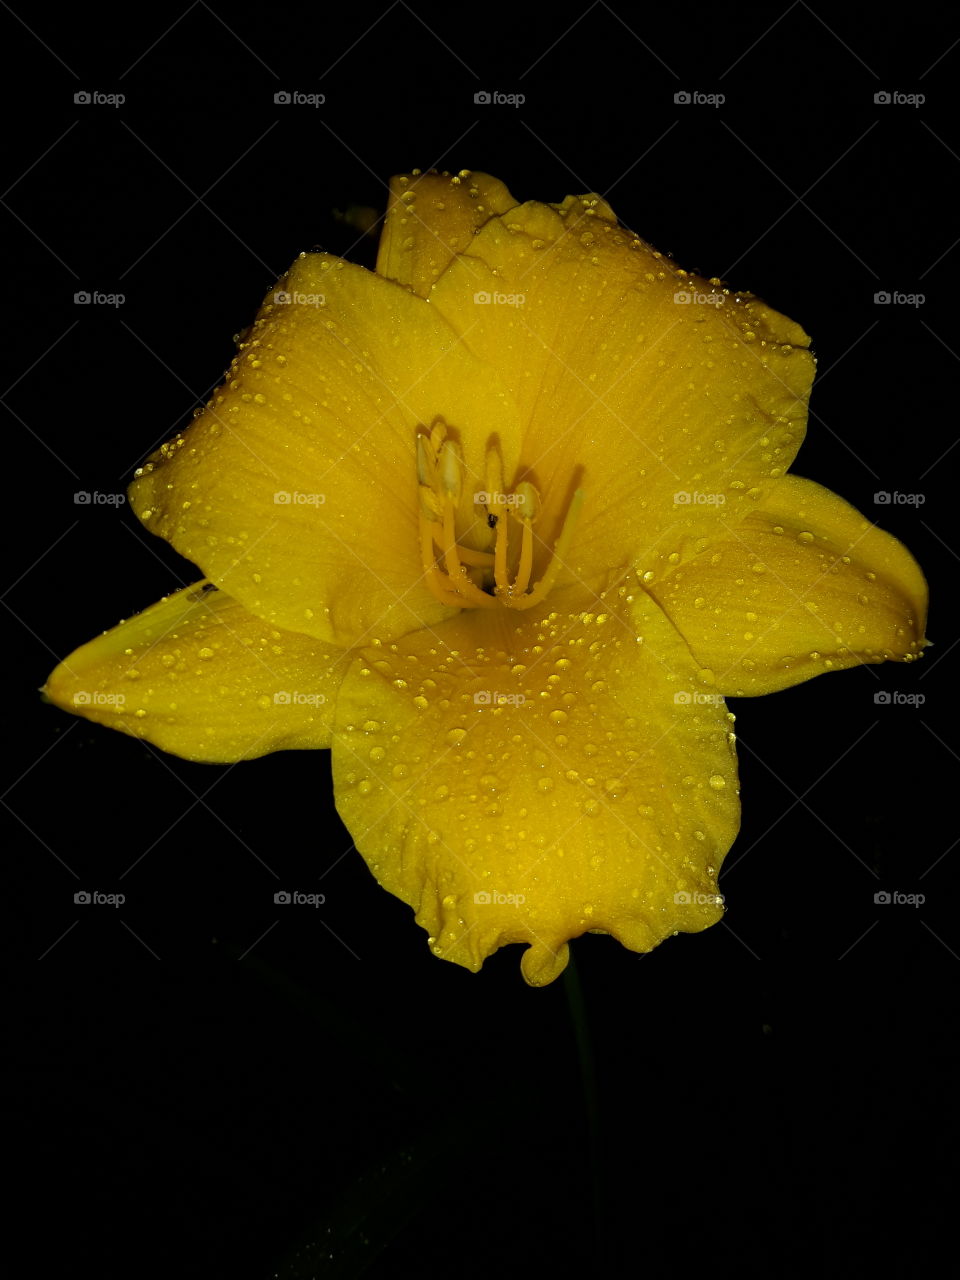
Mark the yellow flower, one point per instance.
(503, 523)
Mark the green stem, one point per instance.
(588, 1076)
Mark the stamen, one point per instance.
(451, 471)
(560, 548)
(435, 579)
(481, 559)
(450, 541)
(430, 508)
(526, 511)
(493, 474)
(440, 469)
(493, 480)
(527, 506)
(522, 580)
(500, 555)
(425, 461)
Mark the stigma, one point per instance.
(504, 573)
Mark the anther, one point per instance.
(487, 583)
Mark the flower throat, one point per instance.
(468, 578)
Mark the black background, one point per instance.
(212, 1082)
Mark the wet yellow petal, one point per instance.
(532, 782)
(296, 488)
(430, 218)
(675, 403)
(806, 584)
(197, 675)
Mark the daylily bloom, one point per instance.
(503, 523)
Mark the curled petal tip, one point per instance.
(542, 964)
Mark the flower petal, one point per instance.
(533, 782)
(296, 488)
(432, 217)
(806, 584)
(651, 399)
(197, 675)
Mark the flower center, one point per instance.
(468, 578)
